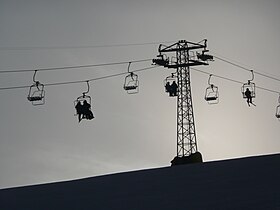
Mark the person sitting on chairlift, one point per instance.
(248, 95)
(168, 88)
(173, 88)
(87, 113)
(83, 111)
(79, 109)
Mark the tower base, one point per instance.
(193, 158)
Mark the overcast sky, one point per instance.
(46, 143)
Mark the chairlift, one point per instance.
(36, 94)
(171, 86)
(249, 88)
(83, 106)
(211, 93)
(131, 82)
(277, 114)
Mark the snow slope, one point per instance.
(246, 183)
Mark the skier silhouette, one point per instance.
(248, 95)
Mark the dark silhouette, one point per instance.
(83, 111)
(248, 95)
(87, 113)
(168, 88)
(79, 109)
(205, 57)
(192, 158)
(173, 88)
(162, 60)
(278, 112)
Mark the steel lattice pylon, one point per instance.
(186, 55)
(186, 136)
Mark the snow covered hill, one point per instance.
(246, 183)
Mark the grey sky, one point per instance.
(44, 144)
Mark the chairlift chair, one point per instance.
(82, 111)
(211, 93)
(249, 86)
(168, 83)
(131, 82)
(36, 94)
(278, 112)
(81, 99)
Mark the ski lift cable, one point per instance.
(80, 46)
(74, 67)
(235, 81)
(79, 81)
(247, 69)
(123, 73)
